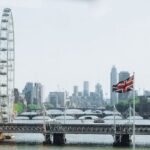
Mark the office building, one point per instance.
(57, 99)
(99, 91)
(123, 75)
(113, 81)
(38, 93)
(86, 89)
(28, 92)
(75, 91)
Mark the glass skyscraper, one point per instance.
(113, 81)
(86, 89)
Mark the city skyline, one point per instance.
(74, 41)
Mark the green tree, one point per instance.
(123, 105)
(18, 107)
(48, 106)
(34, 107)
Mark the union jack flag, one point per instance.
(124, 86)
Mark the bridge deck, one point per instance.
(75, 128)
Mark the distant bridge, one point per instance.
(76, 114)
(31, 116)
(79, 108)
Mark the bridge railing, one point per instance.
(75, 128)
(21, 128)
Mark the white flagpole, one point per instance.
(130, 113)
(134, 111)
(114, 120)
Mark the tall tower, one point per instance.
(113, 80)
(123, 75)
(86, 89)
(75, 91)
(38, 93)
(28, 92)
(99, 92)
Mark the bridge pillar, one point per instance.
(122, 140)
(59, 138)
(30, 117)
(47, 139)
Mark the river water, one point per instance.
(74, 142)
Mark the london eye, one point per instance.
(7, 66)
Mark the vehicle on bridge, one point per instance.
(88, 117)
(95, 119)
(99, 120)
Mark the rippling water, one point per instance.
(74, 142)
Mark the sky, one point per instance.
(61, 43)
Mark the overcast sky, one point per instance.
(61, 43)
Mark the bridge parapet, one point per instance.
(21, 128)
(75, 128)
(80, 129)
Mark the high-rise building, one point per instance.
(16, 95)
(99, 94)
(75, 91)
(53, 99)
(38, 93)
(113, 81)
(86, 89)
(33, 93)
(28, 92)
(146, 93)
(57, 99)
(123, 75)
(99, 91)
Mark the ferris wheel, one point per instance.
(7, 66)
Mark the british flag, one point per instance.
(124, 86)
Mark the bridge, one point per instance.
(79, 108)
(76, 116)
(121, 132)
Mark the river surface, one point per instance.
(74, 142)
